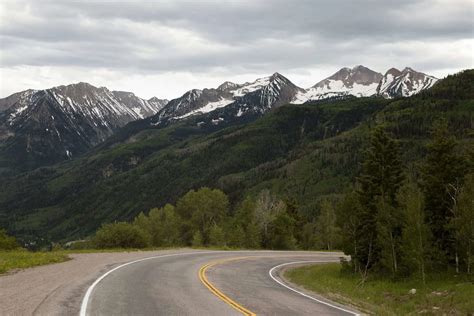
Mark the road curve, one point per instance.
(238, 283)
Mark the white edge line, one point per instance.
(301, 293)
(85, 300)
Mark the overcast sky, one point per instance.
(164, 48)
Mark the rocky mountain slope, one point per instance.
(42, 127)
(358, 81)
(405, 83)
(45, 126)
(239, 99)
(232, 99)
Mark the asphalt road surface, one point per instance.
(208, 283)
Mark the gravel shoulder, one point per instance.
(57, 289)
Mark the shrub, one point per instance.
(7, 242)
(121, 235)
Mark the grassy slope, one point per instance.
(21, 259)
(443, 294)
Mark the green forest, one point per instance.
(363, 175)
(394, 219)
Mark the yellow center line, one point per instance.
(219, 294)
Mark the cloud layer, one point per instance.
(164, 48)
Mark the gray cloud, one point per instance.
(259, 36)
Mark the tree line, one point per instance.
(402, 221)
(395, 219)
(204, 218)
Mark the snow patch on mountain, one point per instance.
(209, 107)
(248, 87)
(334, 88)
(358, 81)
(405, 83)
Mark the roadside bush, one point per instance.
(121, 235)
(7, 242)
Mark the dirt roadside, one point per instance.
(58, 289)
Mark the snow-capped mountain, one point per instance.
(251, 97)
(58, 123)
(39, 127)
(358, 81)
(405, 83)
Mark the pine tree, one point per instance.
(442, 173)
(379, 182)
(381, 170)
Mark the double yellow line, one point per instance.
(219, 294)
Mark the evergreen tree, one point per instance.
(379, 182)
(442, 172)
(382, 173)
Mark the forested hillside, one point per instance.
(301, 153)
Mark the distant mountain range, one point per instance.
(40, 127)
(269, 92)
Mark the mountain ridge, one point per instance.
(45, 126)
(40, 127)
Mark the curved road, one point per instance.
(207, 283)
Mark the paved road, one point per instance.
(172, 285)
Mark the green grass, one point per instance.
(443, 294)
(21, 259)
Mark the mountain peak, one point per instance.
(227, 85)
(349, 76)
(393, 71)
(79, 85)
(407, 82)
